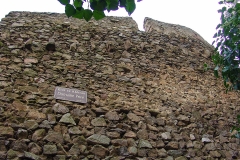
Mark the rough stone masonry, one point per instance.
(148, 94)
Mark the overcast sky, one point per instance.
(199, 15)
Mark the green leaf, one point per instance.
(215, 35)
(70, 10)
(99, 5)
(219, 44)
(64, 2)
(237, 6)
(98, 15)
(236, 87)
(230, 10)
(219, 25)
(216, 73)
(112, 5)
(225, 69)
(238, 118)
(122, 3)
(79, 14)
(224, 9)
(77, 3)
(225, 84)
(87, 14)
(213, 42)
(130, 6)
(205, 67)
(219, 33)
(233, 128)
(221, 2)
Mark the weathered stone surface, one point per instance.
(99, 122)
(162, 153)
(172, 145)
(59, 157)
(142, 134)
(38, 134)
(133, 117)
(215, 154)
(99, 151)
(132, 150)
(130, 134)
(181, 158)
(31, 156)
(80, 140)
(183, 118)
(51, 46)
(67, 118)
(99, 139)
(17, 24)
(74, 130)
(148, 94)
(54, 137)
(19, 105)
(36, 115)
(144, 144)
(59, 108)
(197, 145)
(11, 154)
(113, 134)
(209, 147)
(30, 60)
(45, 124)
(30, 124)
(19, 145)
(74, 150)
(84, 121)
(3, 155)
(113, 116)
(22, 133)
(6, 131)
(119, 142)
(206, 138)
(49, 149)
(34, 148)
(166, 136)
(189, 144)
(175, 153)
(151, 25)
(29, 72)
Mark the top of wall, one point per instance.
(151, 25)
(122, 23)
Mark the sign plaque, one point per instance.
(68, 94)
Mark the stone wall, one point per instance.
(148, 95)
(177, 31)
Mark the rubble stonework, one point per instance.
(151, 25)
(148, 94)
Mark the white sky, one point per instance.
(199, 15)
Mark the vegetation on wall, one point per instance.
(227, 41)
(96, 8)
(227, 57)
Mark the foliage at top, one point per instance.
(227, 39)
(97, 8)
